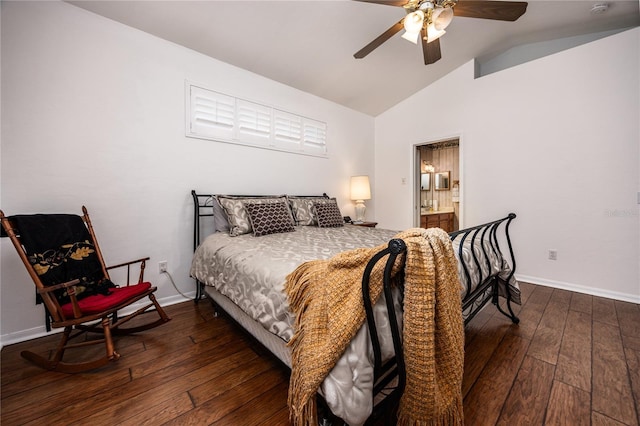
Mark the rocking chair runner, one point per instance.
(63, 258)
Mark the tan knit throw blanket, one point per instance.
(326, 297)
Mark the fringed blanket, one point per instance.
(326, 297)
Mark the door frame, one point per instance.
(416, 178)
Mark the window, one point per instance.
(216, 116)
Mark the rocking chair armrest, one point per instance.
(77, 313)
(142, 263)
(59, 286)
(142, 260)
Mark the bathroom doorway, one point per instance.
(437, 192)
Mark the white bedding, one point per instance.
(251, 272)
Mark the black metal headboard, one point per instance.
(203, 207)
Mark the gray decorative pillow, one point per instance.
(328, 214)
(220, 221)
(271, 218)
(302, 208)
(239, 222)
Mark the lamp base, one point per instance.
(360, 210)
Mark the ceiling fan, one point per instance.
(427, 20)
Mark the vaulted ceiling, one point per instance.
(309, 45)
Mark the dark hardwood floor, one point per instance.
(573, 360)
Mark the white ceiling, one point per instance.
(309, 45)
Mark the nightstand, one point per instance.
(367, 224)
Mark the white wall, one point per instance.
(556, 141)
(93, 113)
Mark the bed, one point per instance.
(240, 265)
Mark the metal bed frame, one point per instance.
(389, 377)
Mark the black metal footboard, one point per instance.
(389, 377)
(482, 244)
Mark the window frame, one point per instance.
(253, 123)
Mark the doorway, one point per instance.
(437, 192)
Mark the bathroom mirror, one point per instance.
(425, 181)
(441, 181)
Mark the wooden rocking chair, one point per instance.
(63, 258)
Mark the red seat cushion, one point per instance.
(100, 303)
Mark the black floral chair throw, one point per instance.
(62, 256)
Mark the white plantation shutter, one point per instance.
(212, 113)
(254, 122)
(314, 139)
(216, 116)
(287, 130)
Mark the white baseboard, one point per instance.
(600, 292)
(40, 331)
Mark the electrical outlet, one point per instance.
(553, 254)
(162, 266)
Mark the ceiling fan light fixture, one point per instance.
(413, 21)
(442, 17)
(413, 25)
(412, 37)
(433, 33)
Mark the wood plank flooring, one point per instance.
(573, 360)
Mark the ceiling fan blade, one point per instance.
(498, 10)
(386, 2)
(430, 51)
(379, 40)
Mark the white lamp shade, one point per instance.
(360, 188)
(433, 33)
(442, 17)
(413, 25)
(413, 21)
(412, 37)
